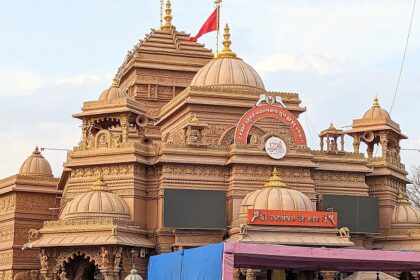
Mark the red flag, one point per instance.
(208, 26)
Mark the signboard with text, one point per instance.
(292, 218)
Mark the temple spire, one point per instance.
(168, 16)
(376, 102)
(115, 82)
(275, 181)
(226, 52)
(99, 185)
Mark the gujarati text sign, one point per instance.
(292, 218)
(269, 111)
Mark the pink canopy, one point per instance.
(306, 258)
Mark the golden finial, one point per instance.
(168, 17)
(115, 82)
(376, 102)
(99, 185)
(275, 181)
(194, 119)
(36, 152)
(226, 52)
(331, 126)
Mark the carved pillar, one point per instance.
(342, 143)
(329, 275)
(356, 143)
(236, 273)
(124, 127)
(370, 150)
(251, 274)
(328, 142)
(321, 143)
(47, 260)
(384, 143)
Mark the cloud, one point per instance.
(320, 64)
(19, 81)
(20, 141)
(83, 79)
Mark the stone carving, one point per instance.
(6, 258)
(7, 203)
(103, 139)
(331, 176)
(28, 275)
(88, 172)
(33, 233)
(43, 260)
(118, 256)
(344, 232)
(104, 262)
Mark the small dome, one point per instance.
(113, 92)
(36, 165)
(376, 111)
(97, 203)
(275, 196)
(227, 69)
(405, 214)
(134, 275)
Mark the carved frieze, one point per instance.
(332, 176)
(107, 170)
(6, 257)
(34, 203)
(7, 203)
(194, 170)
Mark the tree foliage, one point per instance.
(413, 190)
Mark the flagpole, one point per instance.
(217, 2)
(161, 13)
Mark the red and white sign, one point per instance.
(292, 218)
(269, 111)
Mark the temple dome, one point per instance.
(134, 275)
(226, 69)
(405, 214)
(113, 92)
(275, 196)
(376, 111)
(36, 165)
(97, 203)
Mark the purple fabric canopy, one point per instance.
(307, 258)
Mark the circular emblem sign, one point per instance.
(275, 147)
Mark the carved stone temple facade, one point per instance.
(175, 117)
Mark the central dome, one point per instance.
(227, 69)
(98, 203)
(275, 196)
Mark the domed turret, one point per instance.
(113, 92)
(227, 69)
(36, 165)
(376, 111)
(134, 275)
(405, 214)
(275, 195)
(98, 202)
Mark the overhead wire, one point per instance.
(404, 55)
(309, 126)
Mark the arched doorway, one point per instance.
(81, 268)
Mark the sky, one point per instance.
(338, 55)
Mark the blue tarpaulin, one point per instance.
(203, 263)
